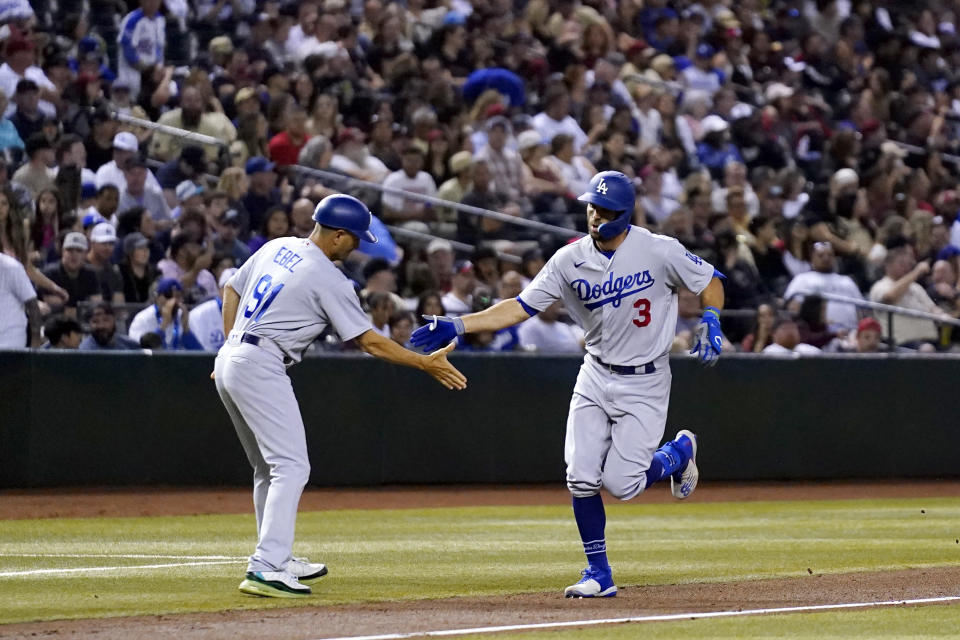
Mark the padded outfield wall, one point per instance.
(69, 419)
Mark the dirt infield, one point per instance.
(149, 501)
(454, 613)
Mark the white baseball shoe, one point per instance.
(594, 583)
(306, 571)
(274, 584)
(682, 483)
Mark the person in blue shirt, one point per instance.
(716, 150)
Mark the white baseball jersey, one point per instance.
(15, 290)
(142, 40)
(206, 323)
(290, 292)
(626, 303)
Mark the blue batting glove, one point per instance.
(709, 338)
(437, 334)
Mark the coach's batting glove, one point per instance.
(439, 333)
(709, 338)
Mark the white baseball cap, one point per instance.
(75, 240)
(225, 276)
(713, 123)
(103, 232)
(529, 138)
(125, 141)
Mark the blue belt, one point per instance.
(627, 371)
(249, 338)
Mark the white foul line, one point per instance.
(38, 572)
(118, 555)
(656, 618)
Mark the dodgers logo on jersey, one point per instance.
(697, 260)
(613, 290)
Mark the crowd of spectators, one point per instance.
(802, 147)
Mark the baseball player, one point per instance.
(274, 307)
(619, 284)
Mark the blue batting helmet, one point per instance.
(614, 191)
(345, 212)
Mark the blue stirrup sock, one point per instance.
(667, 460)
(591, 521)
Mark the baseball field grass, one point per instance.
(96, 567)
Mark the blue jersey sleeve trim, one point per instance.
(530, 310)
(717, 274)
(126, 38)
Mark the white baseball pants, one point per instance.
(254, 387)
(614, 426)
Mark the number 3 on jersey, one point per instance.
(262, 299)
(643, 312)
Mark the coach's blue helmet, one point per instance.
(614, 191)
(345, 212)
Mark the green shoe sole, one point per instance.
(257, 588)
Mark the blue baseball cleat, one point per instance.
(595, 583)
(684, 481)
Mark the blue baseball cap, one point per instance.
(87, 191)
(258, 164)
(166, 286)
(704, 50)
(454, 18)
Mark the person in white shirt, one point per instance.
(19, 65)
(410, 177)
(206, 319)
(824, 279)
(656, 205)
(459, 300)
(555, 118)
(353, 159)
(380, 306)
(899, 287)
(19, 308)
(735, 174)
(575, 170)
(125, 145)
(546, 334)
(306, 25)
(786, 341)
(141, 43)
(701, 75)
(167, 317)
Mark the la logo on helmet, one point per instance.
(602, 187)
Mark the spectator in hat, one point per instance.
(9, 136)
(135, 192)
(72, 274)
(869, 336)
(262, 194)
(125, 146)
(106, 201)
(190, 165)
(36, 175)
(459, 299)
(411, 177)
(701, 75)
(141, 43)
(227, 241)
(103, 241)
(715, 149)
(136, 271)
(246, 102)
(190, 199)
(504, 162)
(20, 64)
(62, 333)
(285, 146)
(90, 59)
(900, 287)
(189, 265)
(190, 115)
(167, 318)
(25, 113)
(207, 317)
(440, 263)
(556, 119)
(103, 331)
